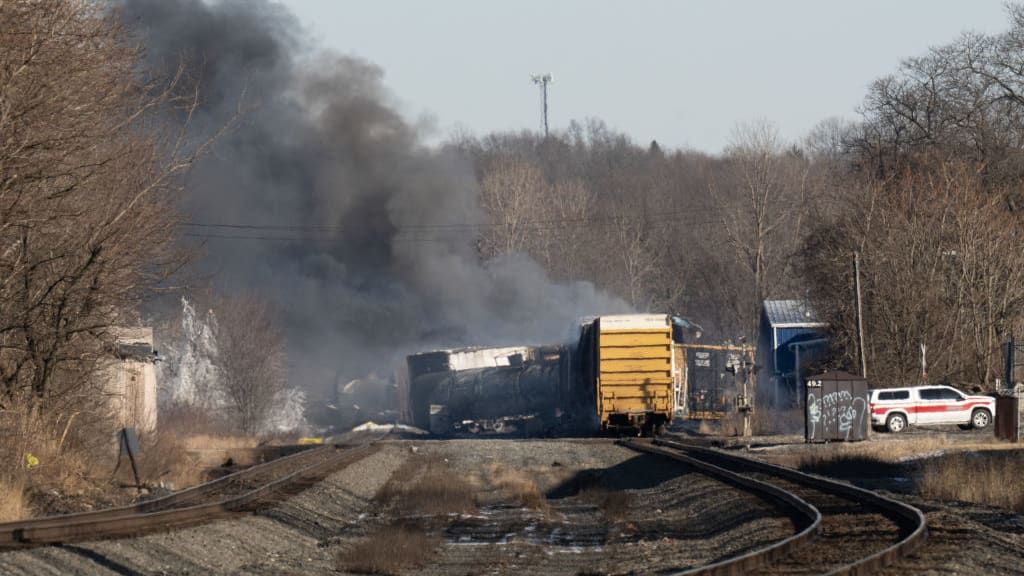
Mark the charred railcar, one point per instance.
(513, 389)
(622, 373)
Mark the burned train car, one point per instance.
(503, 390)
(623, 373)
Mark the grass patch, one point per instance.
(615, 503)
(69, 455)
(992, 479)
(218, 442)
(165, 461)
(74, 451)
(982, 472)
(852, 466)
(517, 486)
(426, 486)
(166, 458)
(389, 551)
(14, 504)
(886, 449)
(424, 493)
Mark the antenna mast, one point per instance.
(543, 80)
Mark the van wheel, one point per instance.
(980, 418)
(896, 423)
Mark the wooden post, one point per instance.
(129, 443)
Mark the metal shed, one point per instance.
(791, 337)
(836, 408)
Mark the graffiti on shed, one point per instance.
(837, 408)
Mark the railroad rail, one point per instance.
(853, 531)
(242, 491)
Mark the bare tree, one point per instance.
(964, 99)
(761, 205)
(87, 185)
(529, 214)
(634, 221)
(941, 267)
(511, 192)
(250, 360)
(560, 235)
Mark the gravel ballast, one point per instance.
(543, 506)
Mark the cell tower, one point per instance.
(543, 80)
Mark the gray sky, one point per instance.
(681, 72)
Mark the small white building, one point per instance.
(131, 381)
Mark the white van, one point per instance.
(894, 409)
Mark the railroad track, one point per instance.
(841, 529)
(242, 491)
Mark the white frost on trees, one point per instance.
(189, 376)
(188, 373)
(289, 411)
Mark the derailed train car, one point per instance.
(622, 373)
(713, 379)
(511, 389)
(629, 362)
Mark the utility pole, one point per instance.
(860, 317)
(1011, 349)
(924, 363)
(543, 80)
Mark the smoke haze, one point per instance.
(364, 235)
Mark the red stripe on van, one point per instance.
(929, 408)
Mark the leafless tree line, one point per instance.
(925, 187)
(86, 195)
(684, 231)
(942, 267)
(90, 188)
(223, 363)
(250, 359)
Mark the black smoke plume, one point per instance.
(362, 233)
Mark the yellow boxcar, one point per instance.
(634, 371)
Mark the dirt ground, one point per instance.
(458, 507)
(546, 507)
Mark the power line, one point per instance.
(678, 215)
(529, 224)
(449, 235)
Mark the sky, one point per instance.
(683, 73)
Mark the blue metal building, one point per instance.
(790, 338)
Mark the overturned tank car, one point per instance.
(520, 389)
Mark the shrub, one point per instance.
(388, 551)
(992, 479)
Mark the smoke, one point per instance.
(363, 234)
